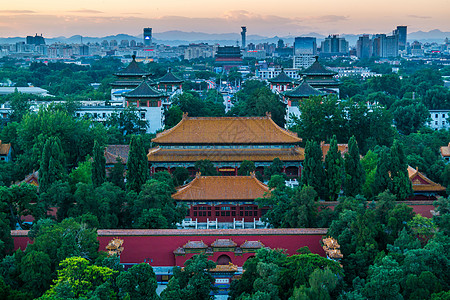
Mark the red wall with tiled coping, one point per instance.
(157, 246)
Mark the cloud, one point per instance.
(86, 11)
(419, 17)
(17, 11)
(329, 19)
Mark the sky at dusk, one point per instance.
(263, 17)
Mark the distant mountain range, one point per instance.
(176, 37)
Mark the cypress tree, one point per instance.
(98, 166)
(333, 169)
(313, 173)
(52, 164)
(116, 174)
(137, 165)
(382, 180)
(354, 171)
(401, 185)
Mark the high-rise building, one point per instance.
(364, 47)
(402, 33)
(147, 36)
(305, 50)
(35, 40)
(244, 37)
(385, 46)
(334, 45)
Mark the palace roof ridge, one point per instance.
(430, 186)
(237, 130)
(317, 69)
(222, 188)
(169, 77)
(282, 77)
(133, 69)
(144, 90)
(304, 90)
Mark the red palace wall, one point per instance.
(157, 246)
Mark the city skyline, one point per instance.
(288, 17)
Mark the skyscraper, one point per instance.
(147, 36)
(244, 37)
(305, 50)
(364, 47)
(402, 32)
(334, 45)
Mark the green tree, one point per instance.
(409, 115)
(52, 166)
(313, 173)
(333, 170)
(193, 282)
(382, 180)
(401, 185)
(98, 165)
(172, 116)
(303, 208)
(354, 172)
(137, 165)
(78, 278)
(383, 280)
(246, 168)
(138, 282)
(116, 173)
(180, 175)
(35, 272)
(62, 240)
(205, 167)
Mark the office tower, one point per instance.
(147, 36)
(334, 45)
(305, 50)
(385, 46)
(402, 33)
(244, 37)
(364, 47)
(35, 40)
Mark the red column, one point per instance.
(127, 104)
(137, 103)
(235, 171)
(159, 103)
(148, 103)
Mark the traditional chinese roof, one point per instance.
(304, 90)
(114, 151)
(179, 251)
(421, 183)
(132, 69)
(4, 148)
(252, 245)
(195, 245)
(169, 78)
(32, 179)
(317, 69)
(223, 243)
(144, 90)
(159, 154)
(445, 150)
(221, 188)
(227, 130)
(281, 78)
